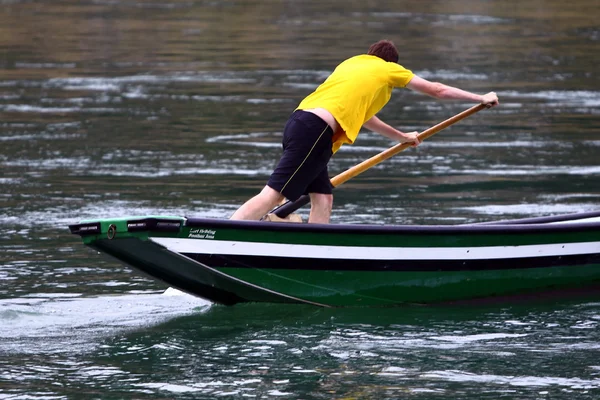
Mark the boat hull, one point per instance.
(229, 262)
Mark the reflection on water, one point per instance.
(114, 108)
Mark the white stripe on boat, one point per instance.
(226, 247)
(579, 221)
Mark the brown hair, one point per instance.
(384, 49)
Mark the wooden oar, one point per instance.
(289, 207)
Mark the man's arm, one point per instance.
(441, 91)
(376, 125)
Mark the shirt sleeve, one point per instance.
(399, 76)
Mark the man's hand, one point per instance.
(411, 137)
(377, 125)
(490, 99)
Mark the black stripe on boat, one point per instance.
(92, 228)
(154, 225)
(290, 263)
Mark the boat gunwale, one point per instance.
(192, 222)
(544, 219)
(525, 226)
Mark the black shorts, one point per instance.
(302, 169)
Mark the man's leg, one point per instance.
(320, 208)
(259, 205)
(307, 141)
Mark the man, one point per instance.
(333, 115)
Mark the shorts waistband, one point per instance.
(310, 118)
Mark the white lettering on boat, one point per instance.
(202, 233)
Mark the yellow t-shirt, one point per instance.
(355, 91)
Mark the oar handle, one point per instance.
(289, 207)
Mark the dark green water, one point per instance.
(113, 108)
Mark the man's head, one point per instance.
(385, 50)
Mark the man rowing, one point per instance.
(333, 115)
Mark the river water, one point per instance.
(128, 107)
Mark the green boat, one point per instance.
(230, 262)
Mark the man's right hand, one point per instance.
(412, 138)
(490, 99)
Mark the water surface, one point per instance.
(115, 108)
